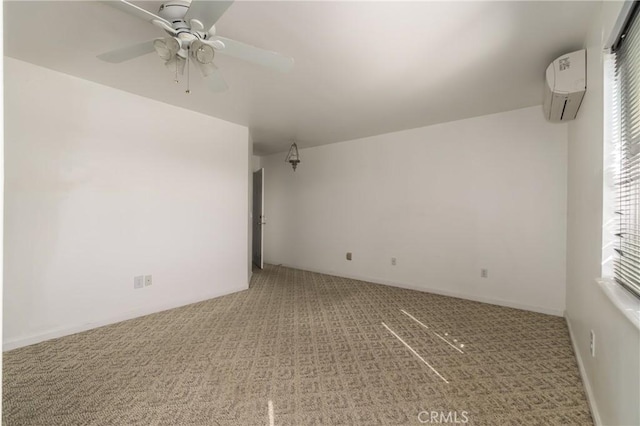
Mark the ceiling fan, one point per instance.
(193, 40)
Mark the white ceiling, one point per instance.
(362, 68)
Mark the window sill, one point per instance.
(628, 304)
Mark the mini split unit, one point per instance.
(565, 86)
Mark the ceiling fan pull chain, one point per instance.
(188, 69)
(177, 60)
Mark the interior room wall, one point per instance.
(256, 163)
(445, 201)
(250, 161)
(612, 377)
(101, 186)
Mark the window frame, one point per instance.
(613, 233)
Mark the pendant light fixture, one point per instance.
(293, 157)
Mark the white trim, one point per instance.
(489, 300)
(617, 28)
(610, 167)
(626, 303)
(585, 379)
(68, 330)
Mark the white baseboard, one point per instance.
(585, 380)
(68, 330)
(491, 301)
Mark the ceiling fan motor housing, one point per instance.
(174, 10)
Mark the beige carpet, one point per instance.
(315, 346)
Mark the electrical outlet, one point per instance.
(147, 280)
(592, 344)
(484, 273)
(349, 256)
(138, 281)
(393, 261)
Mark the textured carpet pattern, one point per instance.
(316, 347)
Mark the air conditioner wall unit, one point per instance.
(565, 85)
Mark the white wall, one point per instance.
(102, 185)
(256, 163)
(613, 376)
(445, 200)
(250, 162)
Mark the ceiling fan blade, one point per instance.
(208, 12)
(256, 55)
(139, 12)
(196, 25)
(127, 53)
(216, 82)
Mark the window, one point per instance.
(626, 129)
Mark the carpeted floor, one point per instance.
(315, 348)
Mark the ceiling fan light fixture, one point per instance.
(161, 48)
(204, 54)
(166, 47)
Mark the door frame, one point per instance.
(258, 219)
